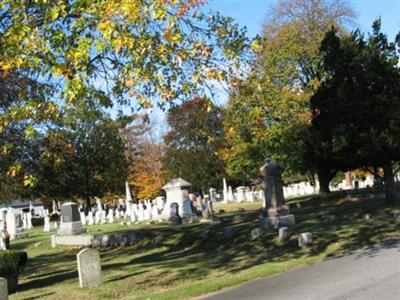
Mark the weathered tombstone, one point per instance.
(89, 267)
(147, 213)
(177, 192)
(249, 195)
(29, 220)
(97, 217)
(70, 220)
(160, 203)
(117, 214)
(133, 216)
(174, 210)
(90, 218)
(140, 212)
(3, 289)
(231, 197)
(4, 235)
(46, 227)
(283, 233)
(14, 227)
(154, 213)
(83, 218)
(277, 211)
(187, 208)
(241, 193)
(103, 217)
(24, 221)
(305, 239)
(225, 191)
(213, 194)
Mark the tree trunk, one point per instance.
(88, 205)
(324, 178)
(388, 178)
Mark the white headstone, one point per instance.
(154, 213)
(90, 218)
(24, 221)
(83, 218)
(89, 267)
(117, 214)
(110, 216)
(97, 217)
(103, 217)
(231, 197)
(11, 221)
(46, 227)
(160, 203)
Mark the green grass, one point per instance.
(185, 265)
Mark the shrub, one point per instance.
(12, 262)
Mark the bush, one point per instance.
(12, 262)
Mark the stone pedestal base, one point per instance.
(275, 222)
(71, 228)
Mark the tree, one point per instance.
(112, 50)
(194, 142)
(144, 152)
(277, 92)
(356, 108)
(85, 157)
(20, 147)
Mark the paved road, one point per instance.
(369, 274)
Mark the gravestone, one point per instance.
(284, 233)
(154, 213)
(177, 192)
(90, 218)
(241, 193)
(187, 208)
(305, 239)
(29, 220)
(110, 216)
(213, 194)
(89, 267)
(70, 220)
(4, 235)
(46, 227)
(83, 218)
(3, 289)
(160, 203)
(225, 191)
(174, 213)
(14, 225)
(274, 202)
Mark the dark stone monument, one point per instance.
(174, 213)
(277, 213)
(70, 220)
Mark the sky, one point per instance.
(252, 13)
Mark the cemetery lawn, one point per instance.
(186, 265)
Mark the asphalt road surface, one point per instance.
(369, 274)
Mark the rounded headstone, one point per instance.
(271, 168)
(305, 239)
